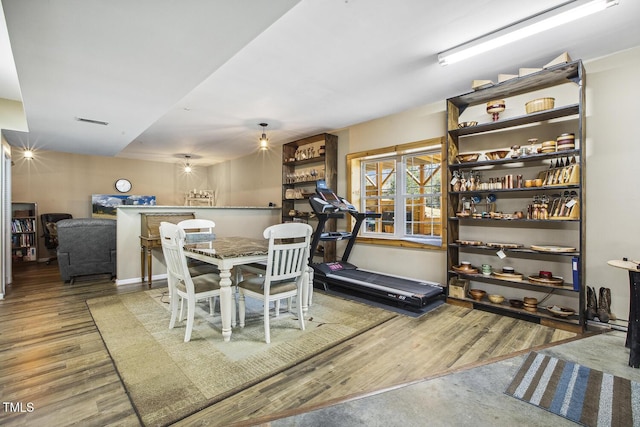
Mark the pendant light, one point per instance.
(187, 166)
(264, 141)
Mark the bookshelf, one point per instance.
(24, 231)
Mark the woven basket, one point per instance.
(539, 104)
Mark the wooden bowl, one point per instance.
(477, 294)
(566, 137)
(563, 147)
(467, 124)
(561, 311)
(517, 303)
(545, 274)
(497, 155)
(530, 300)
(566, 141)
(496, 299)
(540, 104)
(467, 158)
(496, 106)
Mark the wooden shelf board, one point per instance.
(524, 159)
(547, 77)
(568, 287)
(504, 306)
(515, 220)
(514, 250)
(540, 116)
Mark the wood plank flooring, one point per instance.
(52, 355)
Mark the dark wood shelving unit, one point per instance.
(561, 74)
(325, 163)
(24, 231)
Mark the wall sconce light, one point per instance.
(264, 141)
(28, 154)
(543, 21)
(187, 165)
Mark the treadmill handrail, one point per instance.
(327, 207)
(359, 217)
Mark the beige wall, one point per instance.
(254, 180)
(613, 150)
(12, 115)
(64, 182)
(414, 125)
(246, 222)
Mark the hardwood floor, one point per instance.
(52, 357)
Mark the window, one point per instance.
(404, 185)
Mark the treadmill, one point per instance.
(411, 293)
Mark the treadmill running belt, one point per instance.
(407, 285)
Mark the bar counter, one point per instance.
(246, 221)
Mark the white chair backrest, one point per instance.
(288, 252)
(172, 238)
(197, 230)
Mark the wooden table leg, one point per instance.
(142, 259)
(149, 264)
(633, 330)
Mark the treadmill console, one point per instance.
(326, 201)
(335, 266)
(327, 268)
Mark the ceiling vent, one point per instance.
(95, 122)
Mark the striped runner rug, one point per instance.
(576, 392)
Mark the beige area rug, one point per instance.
(168, 379)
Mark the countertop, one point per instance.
(160, 207)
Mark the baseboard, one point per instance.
(134, 280)
(617, 325)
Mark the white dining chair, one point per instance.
(259, 269)
(285, 273)
(181, 283)
(198, 230)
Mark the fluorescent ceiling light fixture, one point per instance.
(543, 21)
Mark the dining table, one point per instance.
(229, 252)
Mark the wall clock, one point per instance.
(123, 185)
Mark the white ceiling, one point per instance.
(197, 76)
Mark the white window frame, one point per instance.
(356, 170)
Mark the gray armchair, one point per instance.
(86, 246)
